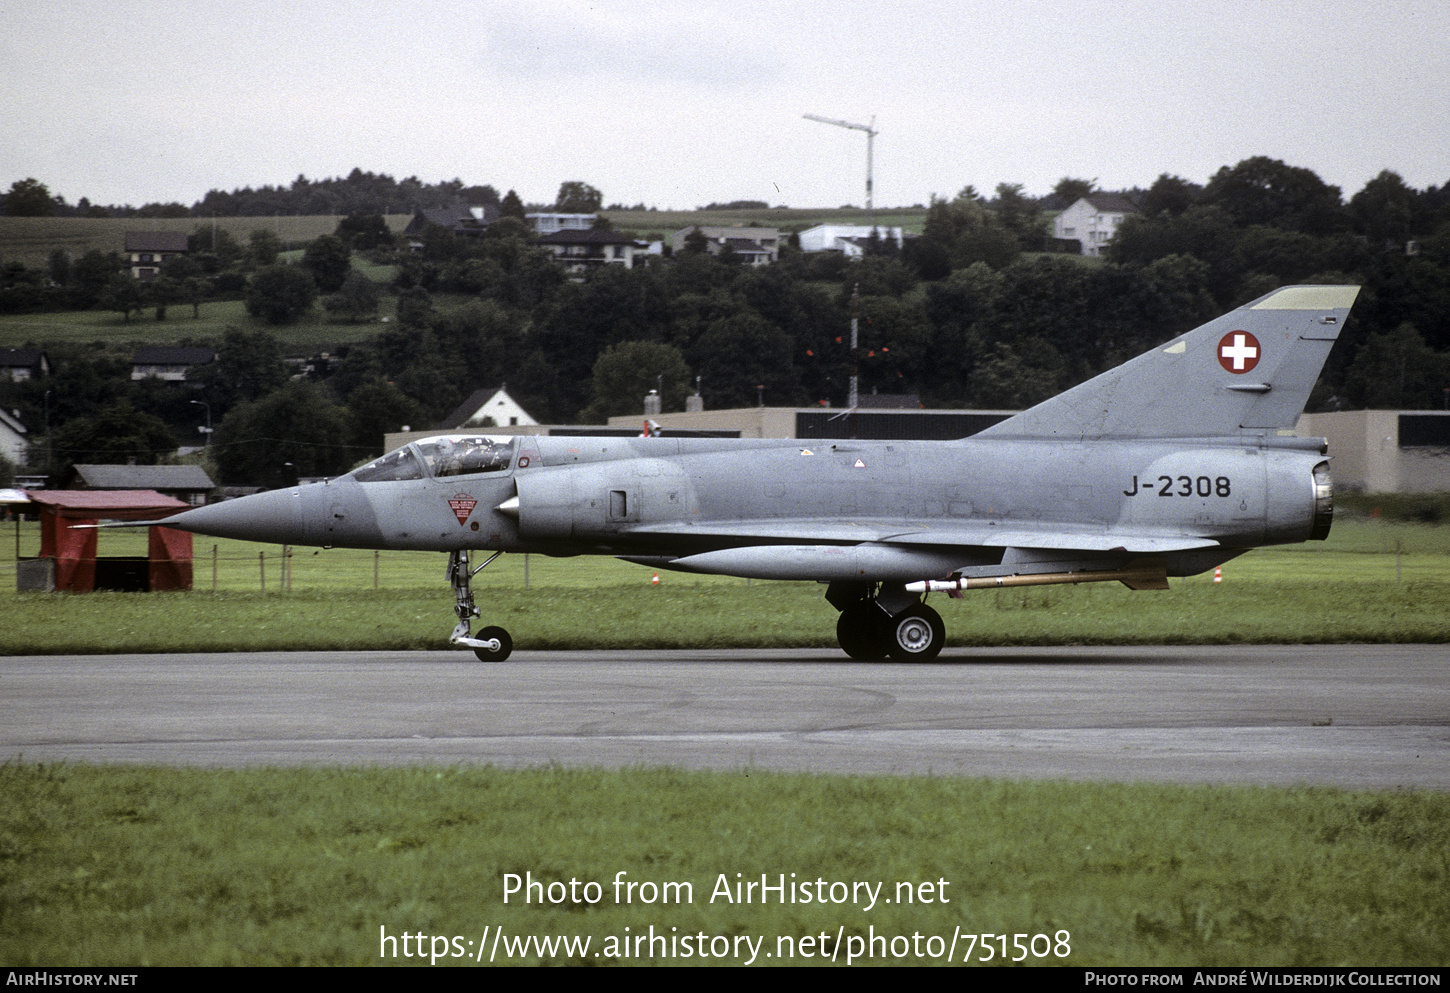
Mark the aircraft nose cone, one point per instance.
(274, 517)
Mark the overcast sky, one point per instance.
(675, 103)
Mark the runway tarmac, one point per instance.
(1356, 716)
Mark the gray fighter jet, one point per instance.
(1168, 465)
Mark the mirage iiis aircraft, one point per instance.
(1168, 465)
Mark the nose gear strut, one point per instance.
(493, 644)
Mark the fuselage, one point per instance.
(670, 498)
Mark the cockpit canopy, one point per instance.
(453, 455)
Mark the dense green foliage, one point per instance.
(330, 261)
(970, 313)
(280, 294)
(29, 198)
(115, 435)
(356, 299)
(293, 432)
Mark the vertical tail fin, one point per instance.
(1249, 371)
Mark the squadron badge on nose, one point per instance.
(462, 505)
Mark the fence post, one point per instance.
(213, 568)
(262, 569)
(376, 555)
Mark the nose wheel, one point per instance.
(492, 644)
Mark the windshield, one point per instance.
(455, 456)
(461, 456)
(400, 464)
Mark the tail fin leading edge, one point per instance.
(1249, 371)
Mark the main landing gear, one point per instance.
(875, 623)
(493, 644)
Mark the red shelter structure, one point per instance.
(167, 565)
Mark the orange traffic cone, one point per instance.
(1218, 575)
(656, 580)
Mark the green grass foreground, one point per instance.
(105, 866)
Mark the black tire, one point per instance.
(916, 634)
(861, 630)
(505, 645)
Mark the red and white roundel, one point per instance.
(1239, 351)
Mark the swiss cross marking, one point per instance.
(1238, 352)
(462, 505)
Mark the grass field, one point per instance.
(216, 316)
(121, 865)
(310, 333)
(31, 239)
(1373, 581)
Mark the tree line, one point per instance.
(358, 192)
(973, 313)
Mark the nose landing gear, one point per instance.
(493, 644)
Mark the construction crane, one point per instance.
(871, 133)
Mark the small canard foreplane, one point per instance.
(1168, 465)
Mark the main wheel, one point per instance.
(861, 630)
(505, 645)
(916, 634)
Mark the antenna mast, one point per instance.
(871, 133)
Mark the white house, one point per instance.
(489, 404)
(13, 438)
(148, 249)
(850, 239)
(1093, 221)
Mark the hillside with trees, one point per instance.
(972, 313)
(357, 193)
